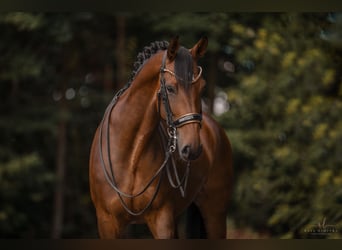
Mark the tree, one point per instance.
(51, 70)
(285, 124)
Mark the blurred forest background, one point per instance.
(274, 82)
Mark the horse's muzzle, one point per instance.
(188, 154)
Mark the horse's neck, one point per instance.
(135, 118)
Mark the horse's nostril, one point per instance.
(186, 152)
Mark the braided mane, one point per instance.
(147, 52)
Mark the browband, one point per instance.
(194, 79)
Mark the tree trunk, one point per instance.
(120, 51)
(58, 214)
(212, 80)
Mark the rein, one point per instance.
(169, 146)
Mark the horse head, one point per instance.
(181, 86)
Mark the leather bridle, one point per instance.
(179, 183)
(172, 124)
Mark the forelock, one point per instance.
(184, 66)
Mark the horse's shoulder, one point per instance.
(214, 131)
(211, 124)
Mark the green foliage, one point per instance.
(25, 188)
(22, 21)
(285, 125)
(189, 26)
(36, 71)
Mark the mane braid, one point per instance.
(147, 52)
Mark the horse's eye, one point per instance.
(170, 89)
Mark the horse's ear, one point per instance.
(173, 48)
(199, 48)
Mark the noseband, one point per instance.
(184, 119)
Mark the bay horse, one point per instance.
(155, 152)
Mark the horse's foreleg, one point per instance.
(215, 225)
(162, 224)
(214, 215)
(109, 227)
